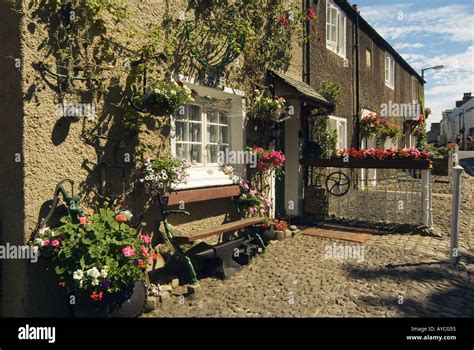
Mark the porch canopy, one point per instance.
(294, 89)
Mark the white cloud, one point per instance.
(453, 22)
(400, 46)
(420, 32)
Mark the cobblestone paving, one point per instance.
(401, 275)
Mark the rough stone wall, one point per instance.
(327, 65)
(53, 149)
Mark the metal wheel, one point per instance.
(338, 184)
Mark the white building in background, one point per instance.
(459, 120)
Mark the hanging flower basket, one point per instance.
(268, 108)
(165, 96)
(152, 105)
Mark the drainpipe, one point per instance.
(357, 85)
(307, 48)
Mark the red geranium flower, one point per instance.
(121, 218)
(311, 13)
(97, 296)
(284, 21)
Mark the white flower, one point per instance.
(94, 273)
(43, 231)
(103, 272)
(78, 275)
(95, 282)
(291, 16)
(39, 241)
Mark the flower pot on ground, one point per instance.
(128, 303)
(268, 234)
(270, 230)
(99, 259)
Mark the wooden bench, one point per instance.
(222, 252)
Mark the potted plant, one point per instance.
(165, 96)
(102, 262)
(160, 176)
(268, 108)
(388, 130)
(269, 160)
(273, 229)
(370, 125)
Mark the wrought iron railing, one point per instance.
(376, 194)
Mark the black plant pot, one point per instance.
(268, 235)
(126, 304)
(158, 108)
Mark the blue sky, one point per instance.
(428, 33)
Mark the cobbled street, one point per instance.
(400, 275)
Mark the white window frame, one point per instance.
(210, 175)
(389, 71)
(340, 122)
(338, 44)
(204, 142)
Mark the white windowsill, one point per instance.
(334, 51)
(200, 177)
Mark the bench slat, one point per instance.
(203, 194)
(231, 226)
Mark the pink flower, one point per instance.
(83, 220)
(128, 251)
(145, 238)
(55, 243)
(144, 250)
(46, 243)
(253, 192)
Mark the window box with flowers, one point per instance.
(376, 158)
(100, 260)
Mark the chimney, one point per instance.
(467, 96)
(355, 7)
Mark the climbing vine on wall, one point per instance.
(319, 122)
